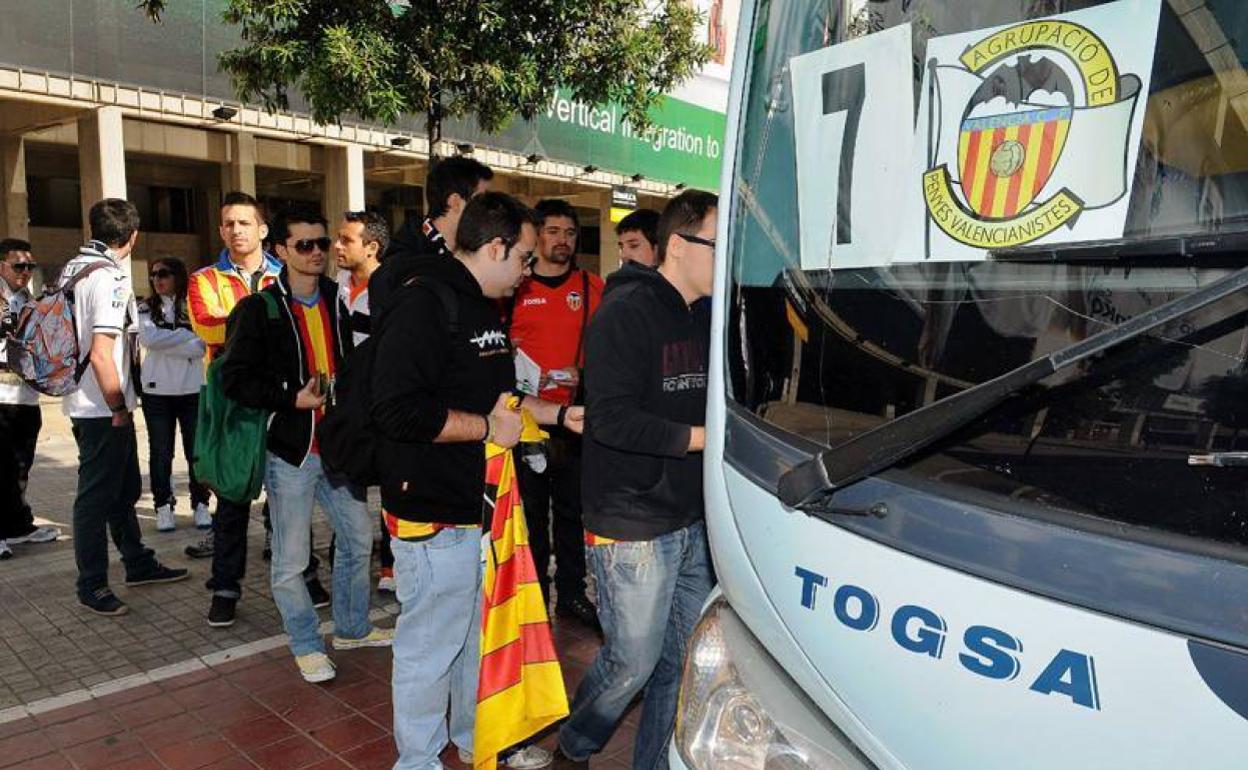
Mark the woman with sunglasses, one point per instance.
(171, 375)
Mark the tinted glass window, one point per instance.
(828, 354)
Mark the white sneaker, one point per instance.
(44, 534)
(203, 516)
(5, 551)
(316, 667)
(386, 585)
(164, 519)
(528, 758)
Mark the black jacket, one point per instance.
(416, 241)
(266, 364)
(645, 377)
(420, 372)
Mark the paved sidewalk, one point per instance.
(251, 713)
(158, 688)
(50, 645)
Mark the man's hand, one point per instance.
(122, 418)
(697, 438)
(505, 423)
(574, 419)
(310, 397)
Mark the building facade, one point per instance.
(96, 101)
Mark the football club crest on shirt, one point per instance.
(574, 300)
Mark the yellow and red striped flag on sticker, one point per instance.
(521, 685)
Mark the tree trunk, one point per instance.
(433, 119)
(433, 122)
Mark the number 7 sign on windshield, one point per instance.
(853, 117)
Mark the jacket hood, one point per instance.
(630, 272)
(451, 272)
(650, 279)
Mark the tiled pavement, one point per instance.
(240, 702)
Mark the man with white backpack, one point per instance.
(109, 483)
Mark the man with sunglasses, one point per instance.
(646, 369)
(549, 316)
(20, 418)
(440, 391)
(242, 269)
(287, 368)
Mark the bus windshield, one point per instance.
(841, 322)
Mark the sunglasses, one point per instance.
(698, 240)
(162, 273)
(25, 266)
(308, 245)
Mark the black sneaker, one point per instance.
(103, 602)
(268, 545)
(221, 613)
(158, 574)
(580, 609)
(320, 597)
(202, 549)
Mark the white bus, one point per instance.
(977, 474)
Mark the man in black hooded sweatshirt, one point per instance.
(646, 369)
(441, 384)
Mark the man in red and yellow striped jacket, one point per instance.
(243, 268)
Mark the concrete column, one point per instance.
(239, 174)
(101, 158)
(608, 251)
(344, 181)
(14, 214)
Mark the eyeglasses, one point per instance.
(308, 245)
(162, 273)
(698, 240)
(26, 267)
(528, 260)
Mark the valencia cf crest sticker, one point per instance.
(1045, 121)
(574, 300)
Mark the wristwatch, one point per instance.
(119, 408)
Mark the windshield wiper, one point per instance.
(809, 483)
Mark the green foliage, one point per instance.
(493, 59)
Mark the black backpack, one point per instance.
(347, 437)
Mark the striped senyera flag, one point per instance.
(521, 686)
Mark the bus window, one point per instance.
(828, 354)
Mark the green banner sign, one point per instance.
(684, 144)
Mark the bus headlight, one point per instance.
(740, 711)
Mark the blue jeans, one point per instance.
(292, 492)
(164, 416)
(437, 646)
(649, 595)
